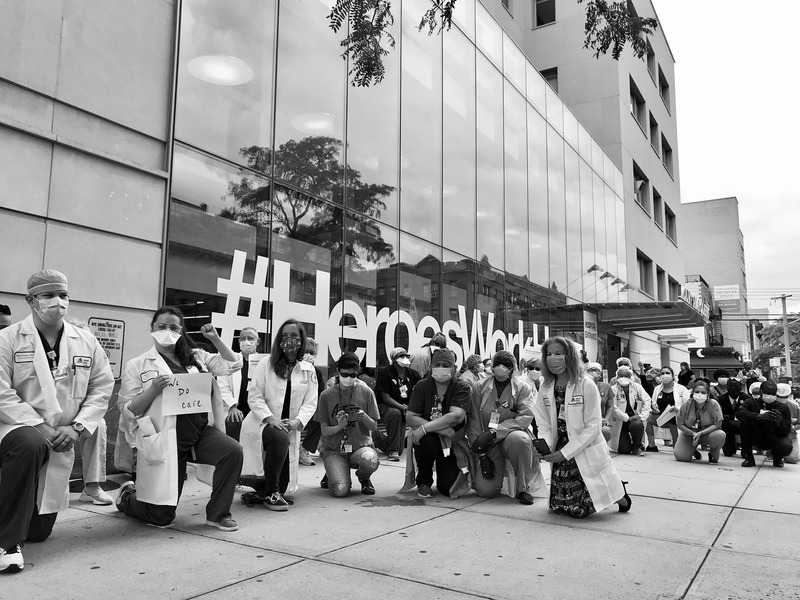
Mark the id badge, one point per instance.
(494, 419)
(404, 391)
(59, 373)
(561, 413)
(347, 448)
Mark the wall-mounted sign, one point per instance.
(111, 335)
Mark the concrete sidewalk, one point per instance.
(695, 531)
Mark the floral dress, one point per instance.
(568, 492)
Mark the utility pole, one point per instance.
(786, 348)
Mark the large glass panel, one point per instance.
(556, 211)
(611, 242)
(488, 35)
(490, 163)
(513, 63)
(598, 157)
(573, 213)
(535, 86)
(599, 200)
(622, 250)
(421, 128)
(373, 123)
(464, 17)
(458, 289)
(459, 208)
(225, 75)
(310, 100)
(555, 109)
(490, 298)
(539, 270)
(587, 234)
(585, 143)
(570, 129)
(420, 275)
(516, 183)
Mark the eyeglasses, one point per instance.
(348, 375)
(531, 368)
(174, 328)
(401, 356)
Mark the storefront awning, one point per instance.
(625, 316)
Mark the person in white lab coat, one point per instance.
(233, 387)
(55, 383)
(283, 397)
(584, 478)
(164, 443)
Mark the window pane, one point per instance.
(611, 242)
(459, 219)
(599, 200)
(555, 109)
(587, 233)
(489, 35)
(458, 288)
(224, 101)
(513, 63)
(537, 199)
(490, 163)
(556, 210)
(516, 183)
(464, 17)
(420, 267)
(573, 204)
(535, 87)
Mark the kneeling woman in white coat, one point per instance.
(165, 443)
(283, 398)
(584, 479)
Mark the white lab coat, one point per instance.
(586, 442)
(30, 396)
(640, 402)
(679, 393)
(157, 455)
(229, 388)
(265, 396)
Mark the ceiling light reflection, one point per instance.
(220, 69)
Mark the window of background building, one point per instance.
(507, 5)
(663, 88)
(545, 12)
(658, 209)
(551, 77)
(641, 188)
(671, 223)
(674, 290)
(651, 61)
(661, 283)
(654, 135)
(645, 272)
(637, 104)
(666, 154)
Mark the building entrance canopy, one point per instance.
(625, 316)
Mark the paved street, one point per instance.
(695, 531)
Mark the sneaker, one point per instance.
(651, 449)
(276, 502)
(424, 491)
(125, 490)
(366, 487)
(224, 524)
(712, 460)
(697, 455)
(749, 462)
(99, 499)
(167, 526)
(525, 498)
(305, 458)
(393, 456)
(638, 452)
(777, 462)
(11, 562)
(323, 483)
(669, 443)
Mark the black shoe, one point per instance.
(778, 462)
(525, 498)
(749, 462)
(323, 483)
(651, 449)
(627, 507)
(712, 460)
(697, 455)
(366, 487)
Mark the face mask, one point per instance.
(723, 381)
(290, 345)
(403, 362)
(441, 374)
(557, 364)
(624, 381)
(666, 379)
(309, 358)
(501, 372)
(166, 337)
(347, 382)
(700, 399)
(487, 370)
(768, 399)
(533, 375)
(247, 347)
(52, 310)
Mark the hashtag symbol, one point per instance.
(237, 288)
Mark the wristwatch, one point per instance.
(78, 427)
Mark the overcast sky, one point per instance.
(738, 104)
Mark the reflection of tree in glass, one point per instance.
(312, 164)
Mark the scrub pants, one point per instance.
(630, 436)
(338, 465)
(518, 449)
(395, 431)
(652, 423)
(731, 429)
(93, 454)
(684, 448)
(23, 453)
(211, 447)
(428, 453)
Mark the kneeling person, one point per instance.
(348, 415)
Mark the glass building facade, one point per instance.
(459, 183)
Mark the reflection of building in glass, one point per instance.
(462, 180)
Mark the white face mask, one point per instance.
(441, 374)
(347, 382)
(166, 337)
(723, 381)
(403, 362)
(666, 379)
(501, 372)
(700, 399)
(624, 381)
(247, 347)
(52, 310)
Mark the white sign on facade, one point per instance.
(590, 335)
(327, 322)
(111, 335)
(726, 292)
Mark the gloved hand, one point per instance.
(487, 467)
(483, 442)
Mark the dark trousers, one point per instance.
(753, 433)
(395, 430)
(212, 447)
(276, 460)
(630, 436)
(731, 429)
(233, 429)
(23, 453)
(428, 453)
(313, 436)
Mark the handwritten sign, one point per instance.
(187, 393)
